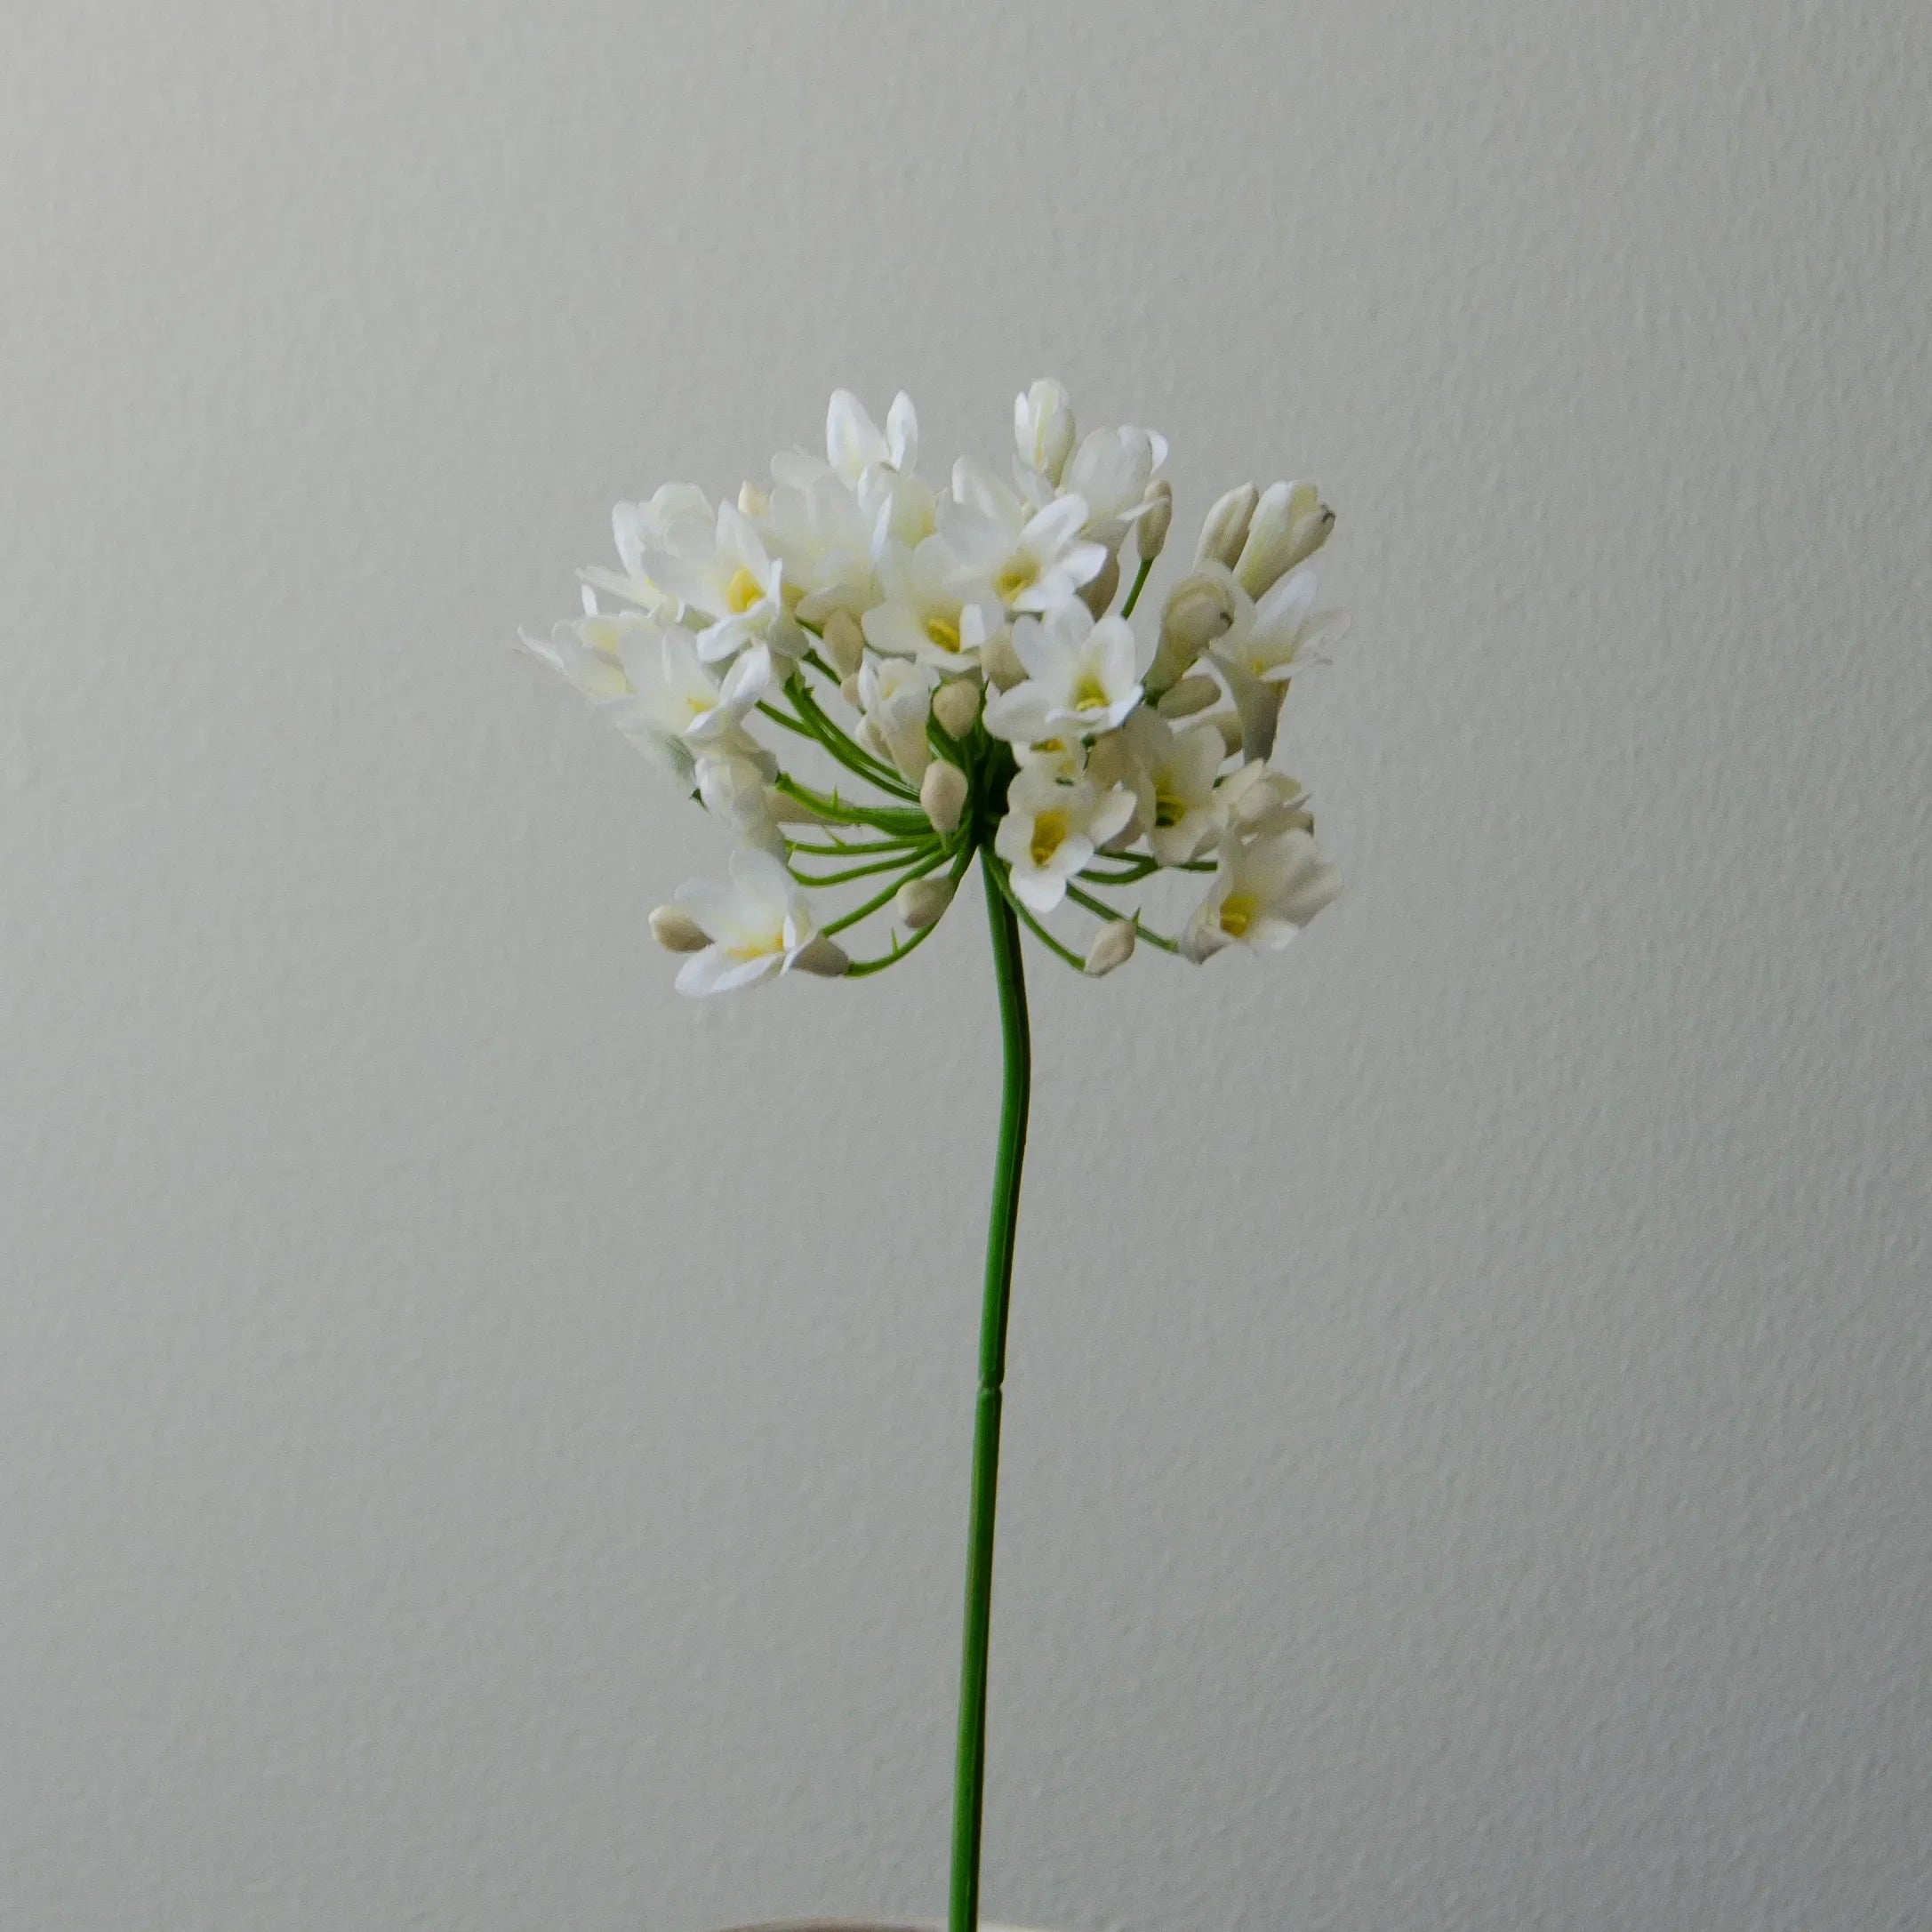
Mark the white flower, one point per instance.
(895, 695)
(824, 539)
(1254, 800)
(679, 705)
(931, 612)
(722, 574)
(1265, 891)
(758, 924)
(1080, 677)
(587, 651)
(1180, 768)
(1110, 473)
(1033, 559)
(1052, 829)
(853, 442)
(640, 527)
(1043, 430)
(1259, 649)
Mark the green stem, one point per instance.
(969, 1782)
(1139, 580)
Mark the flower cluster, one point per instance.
(947, 674)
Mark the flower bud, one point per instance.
(1197, 610)
(1113, 946)
(824, 958)
(675, 931)
(956, 706)
(1230, 727)
(942, 795)
(1225, 529)
(844, 642)
(921, 903)
(752, 502)
(852, 693)
(1195, 692)
(1098, 591)
(1151, 534)
(1043, 429)
(1001, 662)
(1290, 524)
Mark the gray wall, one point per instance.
(482, 1441)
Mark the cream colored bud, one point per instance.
(1230, 727)
(1195, 692)
(1001, 662)
(852, 693)
(1199, 609)
(921, 903)
(1151, 534)
(1225, 531)
(752, 502)
(844, 642)
(1290, 524)
(1113, 946)
(675, 931)
(956, 706)
(1043, 429)
(942, 795)
(1098, 591)
(824, 958)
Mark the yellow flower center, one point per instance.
(944, 634)
(743, 591)
(1049, 830)
(1169, 808)
(1088, 694)
(1021, 574)
(758, 947)
(1237, 909)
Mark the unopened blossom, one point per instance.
(895, 695)
(1224, 529)
(1265, 891)
(1112, 947)
(854, 444)
(1290, 524)
(930, 610)
(956, 706)
(943, 793)
(1080, 677)
(1051, 831)
(1196, 612)
(921, 903)
(1043, 430)
(1034, 559)
(1261, 648)
(1151, 534)
(757, 924)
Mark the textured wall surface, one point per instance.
(482, 1440)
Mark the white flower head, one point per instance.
(931, 611)
(1033, 558)
(757, 924)
(1264, 646)
(588, 651)
(732, 587)
(1080, 677)
(735, 788)
(853, 443)
(1051, 829)
(1265, 891)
